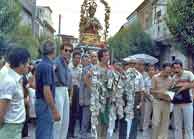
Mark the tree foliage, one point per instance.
(13, 31)
(131, 40)
(180, 20)
(24, 38)
(9, 16)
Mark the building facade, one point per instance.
(162, 36)
(151, 15)
(44, 22)
(43, 18)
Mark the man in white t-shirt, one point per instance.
(12, 109)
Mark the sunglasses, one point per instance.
(68, 50)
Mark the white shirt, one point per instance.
(76, 74)
(11, 89)
(139, 83)
(148, 84)
(4, 71)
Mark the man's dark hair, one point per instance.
(65, 44)
(101, 53)
(177, 62)
(48, 47)
(76, 53)
(166, 65)
(18, 56)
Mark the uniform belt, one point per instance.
(163, 100)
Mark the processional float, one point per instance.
(92, 35)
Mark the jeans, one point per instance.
(183, 117)
(44, 124)
(62, 103)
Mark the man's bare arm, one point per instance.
(50, 101)
(87, 80)
(3, 108)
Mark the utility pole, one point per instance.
(59, 24)
(33, 16)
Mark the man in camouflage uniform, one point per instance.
(99, 75)
(138, 101)
(116, 102)
(128, 79)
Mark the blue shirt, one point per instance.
(63, 73)
(44, 77)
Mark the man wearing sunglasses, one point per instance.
(63, 84)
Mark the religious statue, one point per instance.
(90, 26)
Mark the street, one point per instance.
(141, 135)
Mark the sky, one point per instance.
(70, 11)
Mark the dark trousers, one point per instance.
(134, 129)
(25, 127)
(122, 129)
(75, 111)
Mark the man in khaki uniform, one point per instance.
(161, 107)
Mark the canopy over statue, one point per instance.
(90, 27)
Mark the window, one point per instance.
(158, 14)
(173, 58)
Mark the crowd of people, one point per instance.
(75, 90)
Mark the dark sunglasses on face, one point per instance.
(68, 50)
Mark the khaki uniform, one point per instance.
(161, 109)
